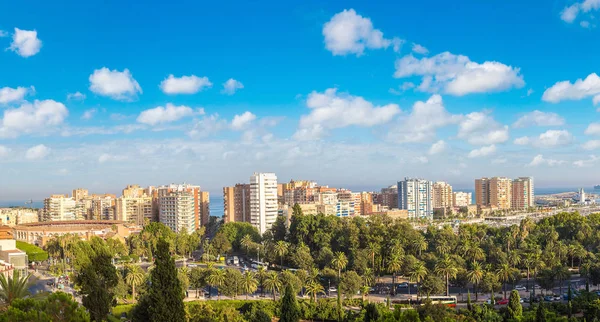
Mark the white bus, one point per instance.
(449, 301)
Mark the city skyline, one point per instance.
(344, 94)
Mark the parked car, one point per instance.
(520, 288)
(557, 298)
(503, 302)
(548, 298)
(332, 289)
(403, 285)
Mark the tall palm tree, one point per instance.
(475, 275)
(419, 244)
(504, 273)
(217, 279)
(15, 287)
(313, 289)
(281, 249)
(249, 283)
(368, 277)
(561, 273)
(364, 291)
(339, 262)
(246, 242)
(447, 268)
(273, 283)
(135, 276)
(418, 272)
(394, 265)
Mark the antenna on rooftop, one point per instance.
(29, 202)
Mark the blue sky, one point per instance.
(351, 94)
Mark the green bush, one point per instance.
(34, 253)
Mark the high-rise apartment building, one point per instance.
(103, 207)
(442, 195)
(79, 194)
(346, 203)
(461, 199)
(388, 197)
(177, 210)
(366, 203)
(416, 196)
(134, 209)
(204, 209)
(236, 203)
(200, 201)
(494, 192)
(522, 193)
(59, 207)
(133, 191)
(263, 200)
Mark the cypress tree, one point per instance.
(290, 310)
(515, 310)
(540, 313)
(164, 300)
(469, 306)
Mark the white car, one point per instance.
(332, 289)
(520, 288)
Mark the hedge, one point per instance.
(34, 253)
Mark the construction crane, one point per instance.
(29, 202)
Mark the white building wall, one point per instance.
(263, 200)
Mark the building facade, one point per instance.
(177, 211)
(442, 195)
(416, 196)
(522, 193)
(58, 207)
(236, 203)
(263, 200)
(461, 199)
(494, 192)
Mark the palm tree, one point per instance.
(418, 271)
(135, 276)
(249, 283)
(561, 273)
(505, 273)
(419, 244)
(475, 275)
(217, 279)
(368, 277)
(364, 291)
(273, 283)
(313, 289)
(394, 265)
(15, 287)
(246, 242)
(281, 249)
(339, 262)
(447, 268)
(261, 274)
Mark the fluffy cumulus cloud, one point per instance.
(4, 151)
(522, 141)
(593, 129)
(548, 139)
(37, 152)
(77, 96)
(592, 160)
(437, 147)
(458, 75)
(565, 90)
(36, 117)
(416, 48)
(591, 145)
(540, 160)
(423, 121)
(207, 126)
(350, 33)
(231, 86)
(330, 110)
(483, 151)
(570, 13)
(480, 128)
(25, 43)
(240, 122)
(10, 95)
(114, 84)
(539, 118)
(184, 84)
(167, 114)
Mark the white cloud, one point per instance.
(522, 141)
(437, 147)
(423, 121)
(539, 118)
(331, 110)
(552, 138)
(479, 128)
(169, 113)
(403, 87)
(529, 92)
(77, 96)
(483, 151)
(584, 24)
(36, 117)
(114, 84)
(314, 132)
(184, 85)
(596, 100)
(458, 75)
(570, 13)
(4, 151)
(240, 122)
(591, 145)
(350, 33)
(565, 90)
(10, 95)
(105, 157)
(37, 152)
(207, 126)
(416, 48)
(25, 43)
(87, 115)
(421, 159)
(3, 34)
(586, 162)
(540, 160)
(231, 86)
(593, 129)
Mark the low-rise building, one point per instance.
(11, 258)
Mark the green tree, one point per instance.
(15, 287)
(281, 249)
(57, 307)
(290, 310)
(515, 310)
(313, 289)
(249, 283)
(447, 268)
(394, 265)
(505, 274)
(339, 262)
(164, 300)
(135, 276)
(217, 278)
(417, 273)
(350, 284)
(273, 283)
(475, 275)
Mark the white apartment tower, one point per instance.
(177, 211)
(416, 196)
(263, 200)
(59, 207)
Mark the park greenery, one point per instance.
(352, 255)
